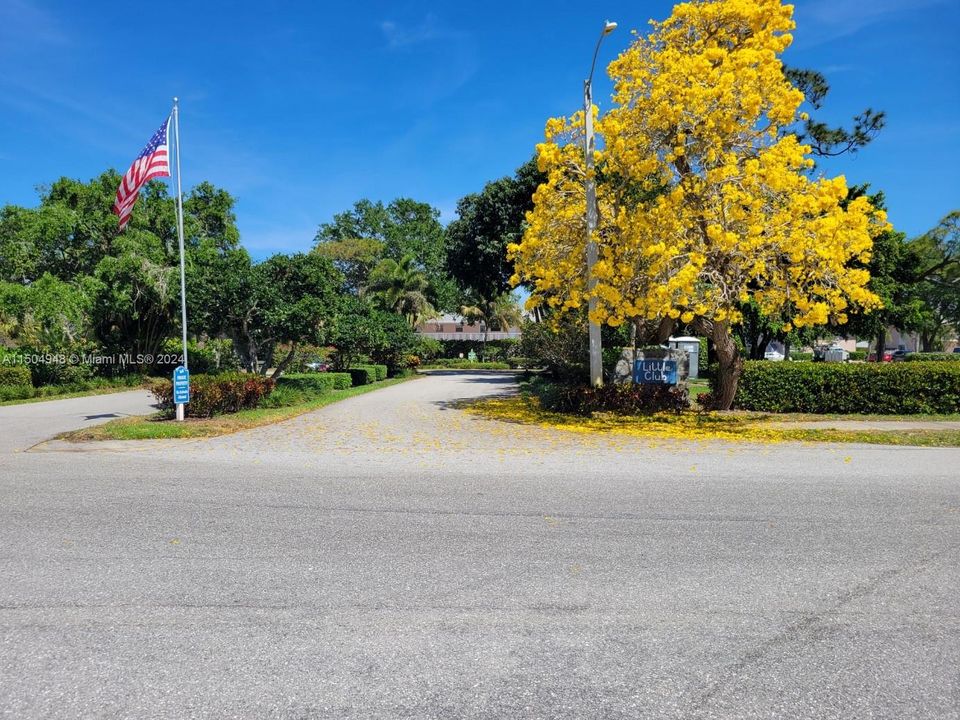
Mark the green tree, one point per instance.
(826, 141)
(402, 288)
(403, 228)
(286, 300)
(360, 330)
(501, 313)
(355, 258)
(486, 223)
(939, 281)
(894, 271)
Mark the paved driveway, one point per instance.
(26, 424)
(390, 556)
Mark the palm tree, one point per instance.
(501, 313)
(401, 287)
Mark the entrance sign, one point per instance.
(655, 371)
(181, 386)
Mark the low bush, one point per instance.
(492, 350)
(364, 375)
(217, 394)
(856, 355)
(932, 357)
(380, 371)
(26, 392)
(520, 362)
(315, 383)
(15, 375)
(16, 392)
(457, 364)
(282, 397)
(801, 356)
(876, 388)
(623, 399)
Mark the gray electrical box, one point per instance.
(692, 346)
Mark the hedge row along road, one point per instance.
(392, 556)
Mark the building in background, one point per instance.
(454, 327)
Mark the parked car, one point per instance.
(887, 356)
(317, 366)
(773, 355)
(957, 350)
(899, 355)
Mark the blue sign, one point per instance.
(181, 386)
(655, 371)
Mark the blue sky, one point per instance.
(301, 108)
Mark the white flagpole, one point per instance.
(183, 277)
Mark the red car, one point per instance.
(887, 356)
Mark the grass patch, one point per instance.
(525, 409)
(158, 427)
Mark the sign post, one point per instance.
(181, 390)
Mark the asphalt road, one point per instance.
(24, 425)
(391, 556)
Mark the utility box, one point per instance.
(835, 354)
(692, 346)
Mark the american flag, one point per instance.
(153, 161)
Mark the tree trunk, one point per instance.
(729, 366)
(665, 330)
(786, 349)
(285, 362)
(881, 342)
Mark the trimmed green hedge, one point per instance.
(932, 357)
(875, 388)
(458, 364)
(15, 375)
(315, 383)
(364, 375)
(376, 373)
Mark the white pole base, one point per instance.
(181, 412)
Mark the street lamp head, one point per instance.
(609, 27)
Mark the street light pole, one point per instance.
(596, 356)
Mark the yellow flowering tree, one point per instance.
(704, 201)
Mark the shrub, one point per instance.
(801, 356)
(380, 371)
(285, 396)
(314, 383)
(932, 357)
(624, 399)
(881, 388)
(364, 375)
(457, 364)
(15, 375)
(493, 350)
(562, 350)
(428, 348)
(858, 355)
(216, 394)
(16, 392)
(520, 362)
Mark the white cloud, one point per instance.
(822, 21)
(430, 29)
